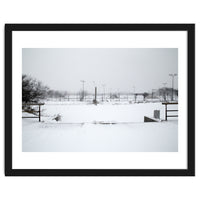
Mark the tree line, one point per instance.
(35, 91)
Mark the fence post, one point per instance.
(39, 113)
(171, 110)
(165, 112)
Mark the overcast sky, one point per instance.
(120, 69)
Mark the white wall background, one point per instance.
(104, 11)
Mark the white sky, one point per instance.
(118, 68)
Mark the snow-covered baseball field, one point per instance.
(107, 127)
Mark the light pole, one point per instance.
(172, 75)
(83, 82)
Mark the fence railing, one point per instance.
(39, 110)
(166, 110)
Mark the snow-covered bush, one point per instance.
(57, 117)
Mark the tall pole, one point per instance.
(103, 91)
(83, 82)
(95, 95)
(134, 92)
(95, 89)
(172, 75)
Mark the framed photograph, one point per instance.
(99, 99)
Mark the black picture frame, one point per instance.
(190, 171)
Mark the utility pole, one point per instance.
(134, 92)
(83, 82)
(172, 75)
(103, 97)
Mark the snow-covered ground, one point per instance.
(102, 128)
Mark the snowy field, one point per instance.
(107, 127)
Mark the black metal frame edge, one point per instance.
(98, 27)
(8, 100)
(190, 28)
(98, 172)
(191, 99)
